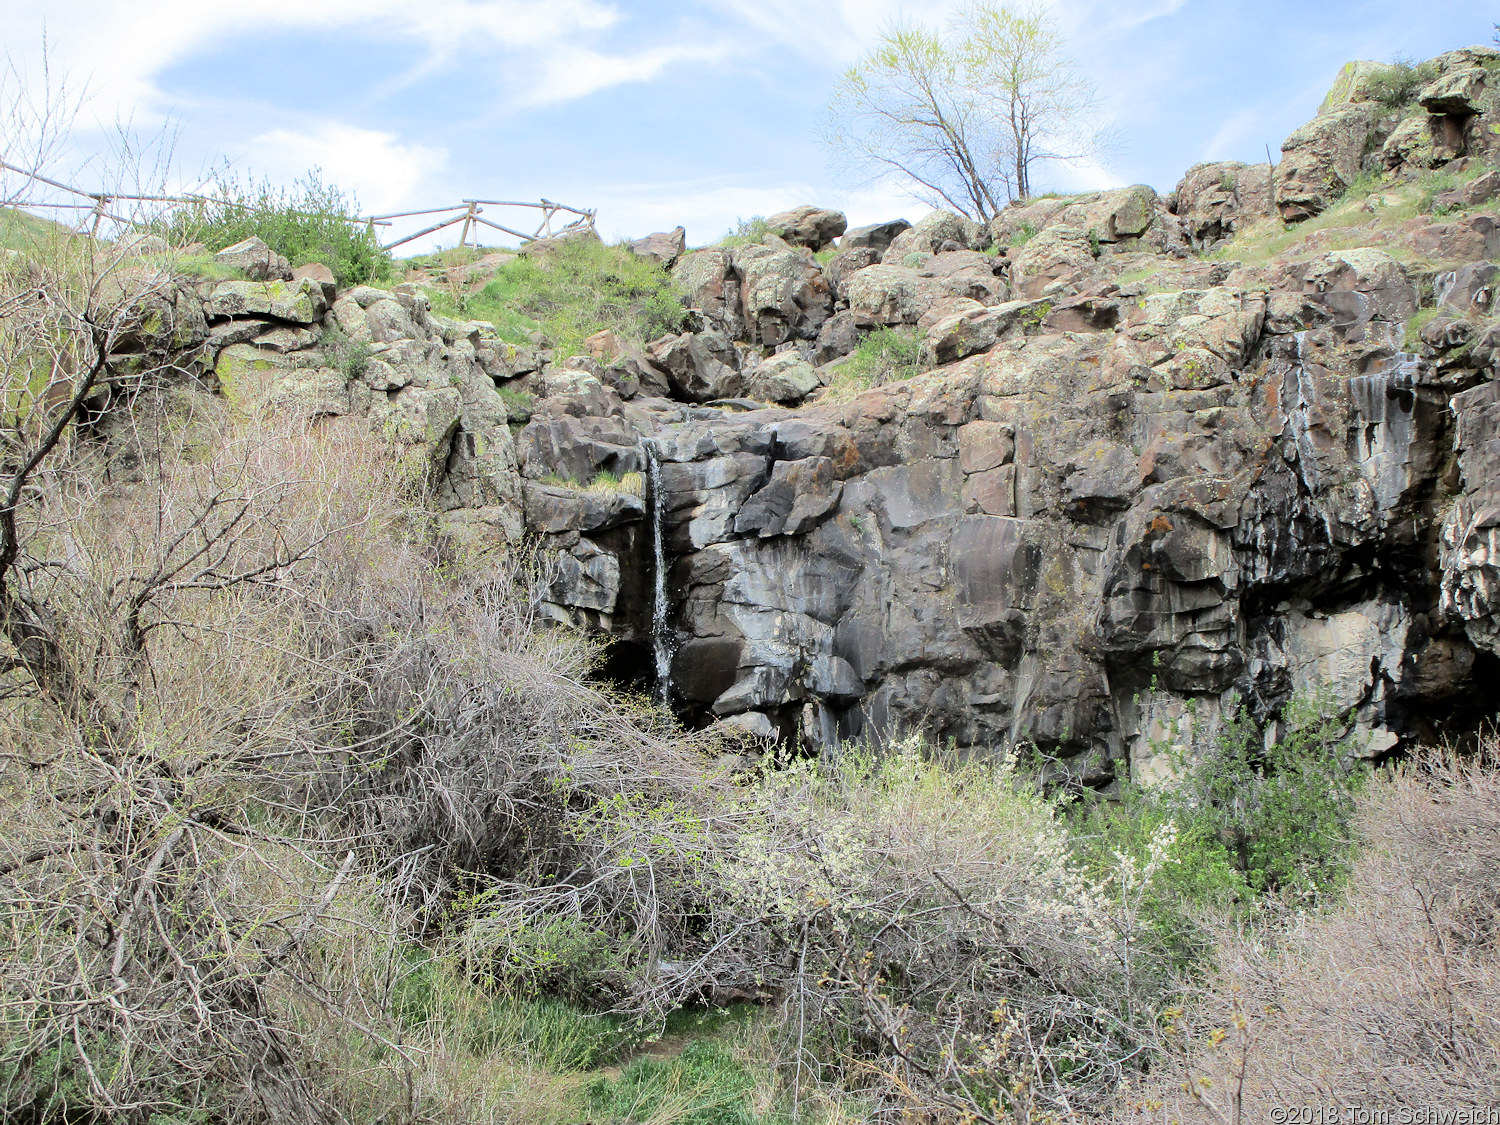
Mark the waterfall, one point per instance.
(661, 629)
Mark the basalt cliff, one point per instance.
(1238, 441)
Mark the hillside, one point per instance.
(935, 671)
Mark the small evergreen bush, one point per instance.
(884, 356)
(747, 232)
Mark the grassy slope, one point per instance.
(20, 230)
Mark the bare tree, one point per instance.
(969, 116)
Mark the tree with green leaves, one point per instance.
(968, 115)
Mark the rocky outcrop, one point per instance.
(1455, 115)
(1110, 508)
(1213, 199)
(378, 358)
(1133, 484)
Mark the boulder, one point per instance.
(967, 273)
(699, 366)
(1321, 158)
(785, 378)
(1060, 260)
(798, 495)
(322, 275)
(1459, 92)
(969, 332)
(419, 416)
(844, 265)
(555, 509)
(838, 337)
(1421, 141)
(663, 248)
(251, 378)
(883, 295)
(876, 236)
(1022, 219)
(1212, 199)
(813, 227)
(1479, 190)
(1354, 83)
(708, 281)
(586, 577)
(256, 260)
(140, 244)
(930, 234)
(1469, 290)
(301, 302)
(783, 293)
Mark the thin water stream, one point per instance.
(661, 629)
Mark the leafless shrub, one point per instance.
(1390, 999)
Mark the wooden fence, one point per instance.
(469, 212)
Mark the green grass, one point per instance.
(602, 481)
(579, 288)
(199, 265)
(20, 230)
(1414, 326)
(451, 257)
(542, 1031)
(1389, 203)
(884, 356)
(310, 222)
(703, 1085)
(518, 404)
(747, 232)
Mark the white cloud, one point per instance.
(384, 173)
(573, 72)
(121, 47)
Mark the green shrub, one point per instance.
(747, 232)
(1203, 880)
(311, 222)
(349, 357)
(1283, 812)
(1024, 234)
(883, 356)
(580, 287)
(1397, 87)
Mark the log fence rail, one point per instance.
(468, 212)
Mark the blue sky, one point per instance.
(658, 112)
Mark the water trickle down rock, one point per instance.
(663, 642)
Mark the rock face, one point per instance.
(1455, 115)
(1133, 484)
(380, 358)
(1109, 509)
